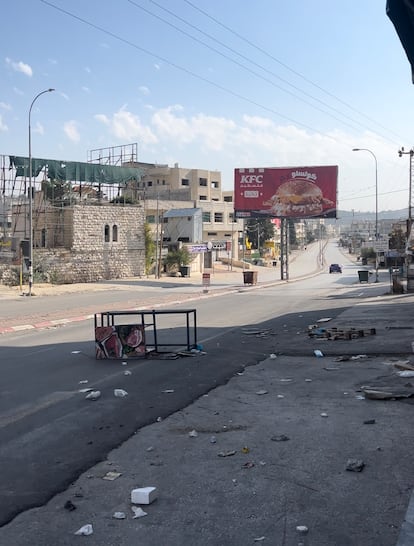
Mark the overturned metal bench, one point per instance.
(141, 336)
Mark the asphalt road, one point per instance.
(49, 433)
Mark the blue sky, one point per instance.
(261, 84)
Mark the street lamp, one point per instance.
(376, 204)
(402, 152)
(31, 185)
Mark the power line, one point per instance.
(304, 78)
(266, 70)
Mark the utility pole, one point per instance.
(402, 152)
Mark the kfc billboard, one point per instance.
(295, 192)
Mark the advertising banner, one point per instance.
(291, 192)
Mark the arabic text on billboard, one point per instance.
(294, 192)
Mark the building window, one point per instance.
(215, 199)
(202, 197)
(218, 217)
(212, 233)
(215, 185)
(185, 182)
(231, 217)
(206, 216)
(163, 182)
(150, 219)
(203, 182)
(165, 220)
(115, 233)
(106, 233)
(228, 199)
(149, 183)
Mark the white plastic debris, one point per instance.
(213, 440)
(302, 529)
(93, 395)
(308, 380)
(119, 515)
(85, 530)
(193, 434)
(75, 352)
(159, 419)
(120, 393)
(324, 415)
(124, 363)
(318, 353)
(273, 356)
(280, 396)
(138, 512)
(127, 372)
(261, 392)
(144, 495)
(168, 391)
(83, 381)
(259, 539)
(406, 373)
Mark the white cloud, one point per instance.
(157, 66)
(86, 89)
(71, 130)
(20, 66)
(5, 106)
(3, 126)
(38, 128)
(126, 126)
(64, 95)
(18, 91)
(144, 90)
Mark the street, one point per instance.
(50, 434)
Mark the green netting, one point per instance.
(75, 171)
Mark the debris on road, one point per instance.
(93, 395)
(302, 529)
(69, 506)
(138, 512)
(359, 357)
(249, 464)
(315, 331)
(193, 434)
(272, 356)
(127, 372)
(406, 373)
(168, 391)
(355, 465)
(369, 422)
(280, 438)
(323, 414)
(386, 393)
(85, 530)
(119, 515)
(120, 393)
(259, 539)
(111, 476)
(226, 453)
(144, 495)
(83, 381)
(261, 392)
(318, 353)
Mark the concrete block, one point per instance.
(144, 495)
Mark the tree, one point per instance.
(398, 238)
(176, 258)
(259, 230)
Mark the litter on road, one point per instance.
(85, 530)
(111, 476)
(355, 465)
(144, 495)
(93, 395)
(120, 393)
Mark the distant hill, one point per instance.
(346, 217)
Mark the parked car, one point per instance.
(335, 268)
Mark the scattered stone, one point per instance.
(355, 465)
(249, 464)
(369, 422)
(127, 372)
(193, 434)
(323, 414)
(119, 515)
(168, 391)
(93, 395)
(280, 438)
(318, 353)
(302, 529)
(111, 476)
(69, 506)
(272, 356)
(85, 530)
(259, 539)
(213, 440)
(120, 393)
(227, 453)
(261, 392)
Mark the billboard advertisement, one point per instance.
(288, 192)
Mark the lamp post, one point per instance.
(402, 152)
(376, 204)
(31, 194)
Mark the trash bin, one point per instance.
(250, 277)
(363, 276)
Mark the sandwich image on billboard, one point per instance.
(291, 192)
